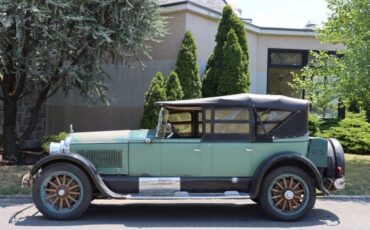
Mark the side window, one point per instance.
(208, 120)
(270, 119)
(231, 121)
(181, 121)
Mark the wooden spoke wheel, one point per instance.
(287, 193)
(62, 191)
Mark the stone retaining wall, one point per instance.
(23, 117)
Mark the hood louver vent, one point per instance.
(107, 158)
(110, 158)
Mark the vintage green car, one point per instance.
(243, 146)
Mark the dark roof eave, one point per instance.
(247, 23)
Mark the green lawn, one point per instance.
(11, 179)
(357, 177)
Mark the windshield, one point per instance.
(162, 121)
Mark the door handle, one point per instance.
(248, 150)
(197, 150)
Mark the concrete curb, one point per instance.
(345, 197)
(15, 197)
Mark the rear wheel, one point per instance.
(287, 193)
(62, 191)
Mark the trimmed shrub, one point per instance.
(314, 124)
(353, 132)
(187, 68)
(52, 138)
(155, 92)
(233, 79)
(215, 67)
(173, 87)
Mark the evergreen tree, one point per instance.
(228, 21)
(208, 84)
(156, 92)
(173, 87)
(233, 79)
(187, 68)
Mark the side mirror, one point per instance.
(148, 140)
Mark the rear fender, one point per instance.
(285, 159)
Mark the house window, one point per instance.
(287, 58)
(282, 63)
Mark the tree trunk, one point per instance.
(11, 147)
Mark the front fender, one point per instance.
(281, 159)
(81, 162)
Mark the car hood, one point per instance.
(119, 136)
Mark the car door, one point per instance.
(180, 157)
(181, 154)
(232, 159)
(232, 151)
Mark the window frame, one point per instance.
(194, 122)
(305, 55)
(305, 62)
(277, 122)
(229, 137)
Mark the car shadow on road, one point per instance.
(179, 215)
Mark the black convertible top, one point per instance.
(240, 100)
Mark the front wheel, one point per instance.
(287, 194)
(62, 191)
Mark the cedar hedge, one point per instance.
(353, 132)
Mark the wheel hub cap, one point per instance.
(288, 194)
(61, 192)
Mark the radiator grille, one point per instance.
(107, 158)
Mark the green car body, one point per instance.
(237, 146)
(126, 152)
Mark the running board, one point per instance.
(228, 195)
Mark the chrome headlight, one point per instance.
(62, 147)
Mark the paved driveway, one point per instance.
(110, 215)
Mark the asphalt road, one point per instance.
(112, 214)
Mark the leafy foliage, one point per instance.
(314, 124)
(187, 67)
(57, 45)
(156, 92)
(344, 76)
(215, 64)
(233, 79)
(52, 138)
(173, 87)
(353, 132)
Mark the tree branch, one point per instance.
(34, 114)
(25, 94)
(25, 42)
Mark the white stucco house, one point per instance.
(274, 53)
